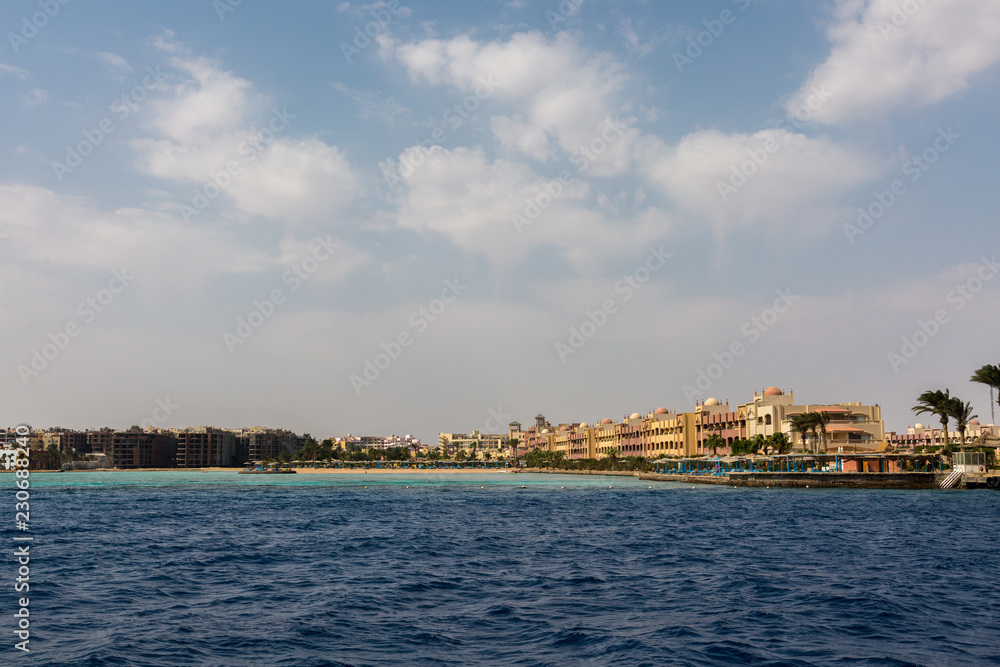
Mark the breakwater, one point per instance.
(845, 480)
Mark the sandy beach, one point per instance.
(397, 471)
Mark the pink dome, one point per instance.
(564, 428)
(974, 422)
(773, 391)
(607, 420)
(661, 411)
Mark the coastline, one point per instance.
(816, 480)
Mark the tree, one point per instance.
(779, 442)
(962, 414)
(55, 456)
(803, 424)
(990, 376)
(821, 419)
(936, 402)
(612, 456)
(714, 441)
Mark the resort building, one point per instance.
(205, 447)
(138, 449)
(664, 433)
(852, 426)
(483, 444)
(65, 440)
(920, 435)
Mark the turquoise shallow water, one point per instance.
(191, 568)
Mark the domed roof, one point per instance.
(661, 411)
(564, 428)
(974, 422)
(918, 425)
(545, 430)
(712, 401)
(584, 425)
(635, 415)
(607, 420)
(773, 391)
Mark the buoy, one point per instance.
(523, 487)
(482, 487)
(562, 487)
(366, 487)
(407, 487)
(611, 487)
(650, 487)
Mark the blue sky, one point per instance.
(475, 205)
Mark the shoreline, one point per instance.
(818, 480)
(307, 471)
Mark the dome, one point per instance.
(584, 425)
(635, 415)
(773, 391)
(607, 420)
(974, 422)
(545, 430)
(661, 411)
(564, 428)
(918, 425)
(712, 401)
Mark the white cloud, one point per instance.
(470, 200)
(560, 89)
(114, 60)
(35, 97)
(211, 118)
(889, 54)
(797, 184)
(14, 71)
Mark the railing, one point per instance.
(952, 480)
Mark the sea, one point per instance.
(193, 568)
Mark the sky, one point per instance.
(416, 217)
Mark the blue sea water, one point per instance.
(176, 568)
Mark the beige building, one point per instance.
(851, 425)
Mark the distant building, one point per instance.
(139, 449)
(206, 447)
(492, 444)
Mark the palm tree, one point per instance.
(961, 413)
(935, 402)
(714, 441)
(820, 420)
(990, 376)
(613, 457)
(780, 442)
(804, 423)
